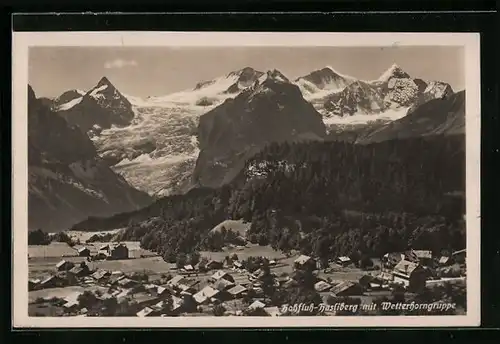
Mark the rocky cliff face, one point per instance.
(67, 181)
(272, 110)
(444, 116)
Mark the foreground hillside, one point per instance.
(67, 181)
(324, 198)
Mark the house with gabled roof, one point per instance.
(343, 261)
(176, 281)
(410, 274)
(214, 264)
(33, 284)
(221, 274)
(100, 275)
(64, 265)
(272, 311)
(146, 312)
(83, 252)
(223, 284)
(322, 286)
(346, 288)
(257, 304)
(237, 291)
(304, 262)
(205, 295)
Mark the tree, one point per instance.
(218, 310)
(87, 300)
(181, 260)
(38, 237)
(167, 306)
(365, 262)
(194, 258)
(63, 237)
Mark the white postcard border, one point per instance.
(21, 42)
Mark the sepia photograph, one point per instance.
(245, 179)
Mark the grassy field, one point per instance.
(44, 267)
(54, 249)
(61, 292)
(248, 251)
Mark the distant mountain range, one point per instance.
(67, 180)
(198, 137)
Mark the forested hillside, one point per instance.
(323, 198)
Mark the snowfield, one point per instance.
(70, 104)
(363, 118)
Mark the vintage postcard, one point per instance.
(210, 179)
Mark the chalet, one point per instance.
(146, 312)
(71, 306)
(391, 259)
(221, 274)
(223, 284)
(409, 274)
(257, 274)
(33, 284)
(289, 283)
(127, 283)
(71, 301)
(162, 291)
(256, 305)
(188, 268)
(144, 299)
(100, 275)
(187, 286)
(272, 311)
(322, 286)
(120, 251)
(93, 238)
(115, 278)
(384, 277)
(79, 271)
(123, 295)
(214, 264)
(52, 282)
(83, 252)
(365, 280)
(237, 264)
(237, 291)
(343, 261)
(104, 248)
(205, 295)
(64, 265)
(304, 262)
(423, 257)
(176, 281)
(346, 288)
(459, 256)
(444, 260)
(101, 255)
(201, 266)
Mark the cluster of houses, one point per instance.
(229, 284)
(106, 252)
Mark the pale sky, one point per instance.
(150, 71)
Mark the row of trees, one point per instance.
(39, 237)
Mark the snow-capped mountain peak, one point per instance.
(276, 76)
(394, 71)
(104, 81)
